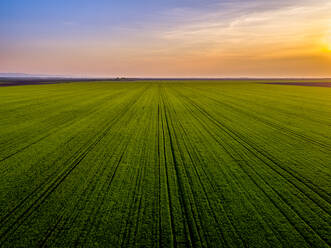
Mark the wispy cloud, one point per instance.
(249, 24)
(69, 23)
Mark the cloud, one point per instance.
(69, 23)
(248, 23)
(253, 37)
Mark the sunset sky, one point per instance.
(166, 38)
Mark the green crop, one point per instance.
(165, 164)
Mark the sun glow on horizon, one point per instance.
(326, 43)
(328, 40)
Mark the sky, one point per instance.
(166, 38)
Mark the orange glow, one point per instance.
(328, 40)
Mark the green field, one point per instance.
(165, 164)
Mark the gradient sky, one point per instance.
(167, 38)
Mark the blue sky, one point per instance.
(41, 18)
(165, 38)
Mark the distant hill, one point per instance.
(26, 75)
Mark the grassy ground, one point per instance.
(165, 165)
